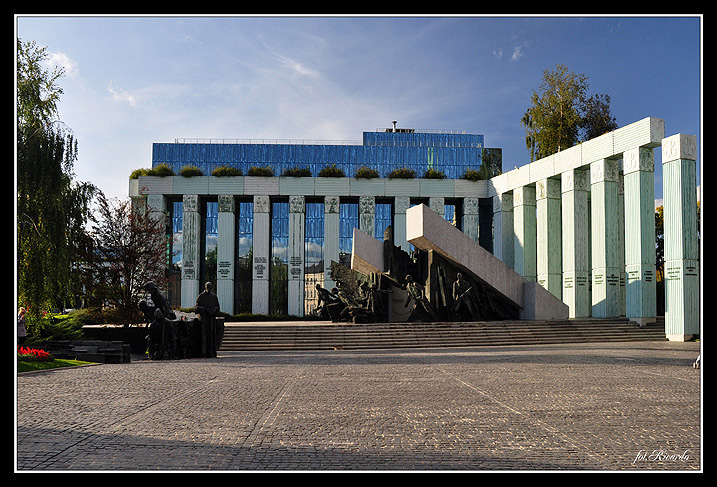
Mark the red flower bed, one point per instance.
(32, 354)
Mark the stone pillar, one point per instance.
(437, 204)
(191, 225)
(226, 252)
(400, 205)
(296, 291)
(331, 237)
(679, 193)
(574, 207)
(503, 228)
(548, 233)
(638, 166)
(262, 256)
(621, 239)
(524, 230)
(367, 214)
(604, 246)
(471, 209)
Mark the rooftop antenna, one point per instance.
(394, 125)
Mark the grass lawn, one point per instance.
(47, 364)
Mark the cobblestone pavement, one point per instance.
(621, 406)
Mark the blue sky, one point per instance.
(132, 81)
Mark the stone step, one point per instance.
(327, 335)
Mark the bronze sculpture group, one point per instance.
(173, 338)
(435, 288)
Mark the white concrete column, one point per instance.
(400, 205)
(191, 225)
(574, 207)
(549, 235)
(367, 214)
(261, 255)
(524, 230)
(621, 240)
(682, 273)
(296, 291)
(638, 166)
(226, 252)
(503, 228)
(605, 258)
(471, 210)
(331, 237)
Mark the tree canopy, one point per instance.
(51, 208)
(562, 114)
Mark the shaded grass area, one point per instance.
(30, 366)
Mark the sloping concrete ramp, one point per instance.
(427, 230)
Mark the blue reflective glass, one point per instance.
(450, 153)
(348, 220)
(383, 219)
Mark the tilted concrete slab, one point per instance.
(427, 230)
(366, 253)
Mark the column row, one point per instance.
(261, 252)
(588, 236)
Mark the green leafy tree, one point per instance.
(561, 113)
(52, 209)
(129, 244)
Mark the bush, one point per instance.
(331, 172)
(160, 170)
(190, 171)
(226, 171)
(53, 327)
(265, 171)
(402, 173)
(434, 174)
(473, 175)
(297, 172)
(366, 173)
(139, 172)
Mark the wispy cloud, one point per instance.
(121, 95)
(62, 60)
(517, 53)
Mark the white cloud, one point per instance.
(517, 53)
(498, 54)
(62, 60)
(121, 95)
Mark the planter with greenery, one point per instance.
(262, 171)
(297, 172)
(366, 173)
(402, 173)
(190, 172)
(226, 171)
(434, 174)
(331, 172)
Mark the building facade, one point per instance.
(579, 222)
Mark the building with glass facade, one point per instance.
(266, 241)
(579, 222)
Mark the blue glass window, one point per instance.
(348, 220)
(278, 273)
(383, 219)
(313, 254)
(243, 263)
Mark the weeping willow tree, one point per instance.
(52, 209)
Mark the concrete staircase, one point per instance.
(276, 336)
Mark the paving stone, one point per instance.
(600, 406)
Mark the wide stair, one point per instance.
(272, 336)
